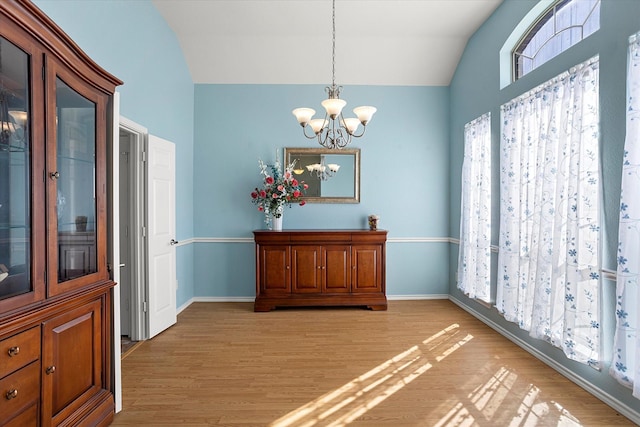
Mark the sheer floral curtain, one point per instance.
(548, 264)
(474, 259)
(625, 366)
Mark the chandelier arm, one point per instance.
(364, 129)
(344, 140)
(323, 137)
(304, 132)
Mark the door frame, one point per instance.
(113, 220)
(137, 210)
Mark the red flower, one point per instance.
(279, 189)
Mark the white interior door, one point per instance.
(161, 178)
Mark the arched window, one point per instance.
(561, 26)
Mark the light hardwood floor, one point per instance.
(421, 363)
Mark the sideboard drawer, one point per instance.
(19, 350)
(20, 390)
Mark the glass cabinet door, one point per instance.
(76, 193)
(15, 172)
(76, 183)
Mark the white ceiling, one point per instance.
(378, 42)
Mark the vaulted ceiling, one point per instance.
(378, 42)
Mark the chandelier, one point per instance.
(321, 171)
(334, 131)
(12, 125)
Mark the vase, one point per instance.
(276, 223)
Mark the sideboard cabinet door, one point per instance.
(275, 270)
(306, 269)
(336, 268)
(367, 268)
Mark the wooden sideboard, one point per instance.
(320, 268)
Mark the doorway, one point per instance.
(133, 289)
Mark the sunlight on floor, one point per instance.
(484, 405)
(352, 400)
(486, 400)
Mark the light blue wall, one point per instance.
(131, 40)
(475, 90)
(404, 154)
(404, 179)
(411, 155)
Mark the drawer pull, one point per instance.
(14, 351)
(12, 394)
(50, 370)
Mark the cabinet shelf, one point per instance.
(8, 226)
(81, 160)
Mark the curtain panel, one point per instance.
(474, 257)
(625, 366)
(549, 240)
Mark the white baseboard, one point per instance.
(416, 297)
(251, 299)
(619, 406)
(214, 299)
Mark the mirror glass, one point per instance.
(333, 176)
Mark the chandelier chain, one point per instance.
(333, 52)
(334, 131)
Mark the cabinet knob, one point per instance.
(50, 370)
(54, 175)
(287, 267)
(14, 351)
(11, 394)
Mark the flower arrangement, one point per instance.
(279, 188)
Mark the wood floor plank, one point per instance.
(420, 363)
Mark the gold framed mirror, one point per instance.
(333, 176)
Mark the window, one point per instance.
(626, 348)
(474, 260)
(562, 25)
(549, 247)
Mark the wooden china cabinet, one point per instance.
(55, 288)
(320, 268)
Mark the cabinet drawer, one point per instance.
(29, 418)
(19, 390)
(19, 350)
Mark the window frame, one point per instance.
(548, 14)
